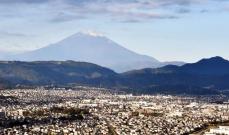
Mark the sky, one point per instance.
(168, 30)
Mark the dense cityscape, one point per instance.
(97, 111)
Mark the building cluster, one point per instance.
(222, 130)
(92, 111)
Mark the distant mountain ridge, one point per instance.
(208, 76)
(214, 66)
(52, 72)
(93, 49)
(210, 73)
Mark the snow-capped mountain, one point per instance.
(91, 48)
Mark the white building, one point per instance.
(222, 130)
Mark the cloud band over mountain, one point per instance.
(119, 10)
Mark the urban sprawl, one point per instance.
(97, 111)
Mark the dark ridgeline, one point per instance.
(207, 76)
(53, 72)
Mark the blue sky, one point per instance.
(169, 30)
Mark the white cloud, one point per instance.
(119, 10)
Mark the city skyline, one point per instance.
(169, 30)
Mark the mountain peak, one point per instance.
(215, 59)
(211, 66)
(85, 37)
(218, 58)
(91, 47)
